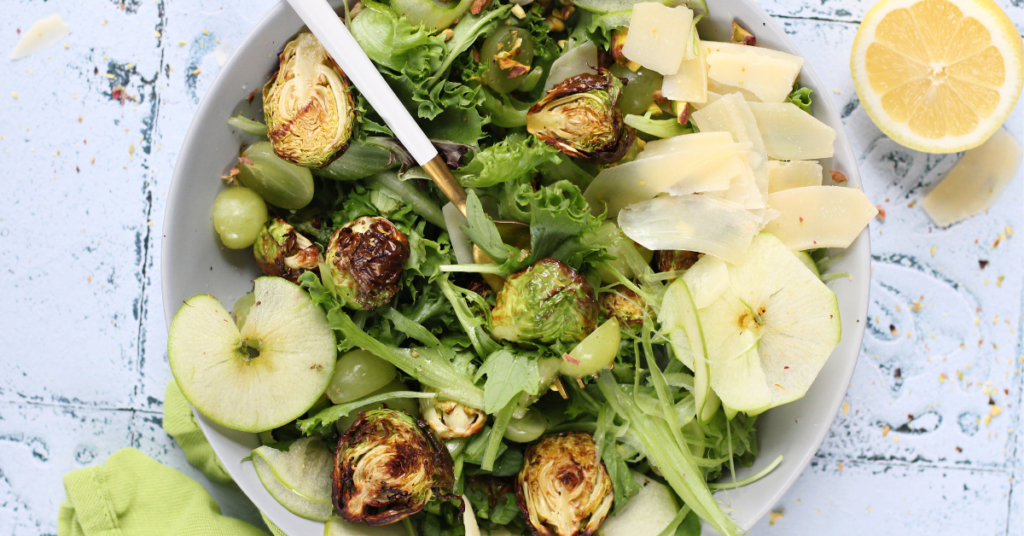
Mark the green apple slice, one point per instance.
(680, 318)
(263, 376)
(299, 479)
(771, 331)
(807, 261)
(649, 512)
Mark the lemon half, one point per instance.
(938, 76)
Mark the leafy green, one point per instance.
(508, 375)
(801, 96)
(252, 127)
(427, 365)
(560, 226)
(503, 110)
(504, 161)
(394, 42)
(360, 160)
(333, 413)
(673, 460)
(659, 128)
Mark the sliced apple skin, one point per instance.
(756, 367)
(210, 357)
(299, 478)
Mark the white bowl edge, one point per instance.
(795, 430)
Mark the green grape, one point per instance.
(241, 309)
(238, 215)
(281, 183)
(638, 94)
(408, 405)
(524, 430)
(504, 39)
(357, 374)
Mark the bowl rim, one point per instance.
(177, 195)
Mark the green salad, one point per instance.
(409, 367)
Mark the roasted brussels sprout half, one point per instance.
(308, 105)
(546, 302)
(281, 251)
(671, 260)
(387, 467)
(625, 305)
(366, 257)
(563, 489)
(451, 419)
(579, 117)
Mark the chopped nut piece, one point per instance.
(518, 11)
(837, 176)
(447, 34)
(556, 24)
(742, 37)
(479, 5)
(774, 516)
(881, 212)
(619, 41)
(885, 431)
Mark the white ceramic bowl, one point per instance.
(194, 262)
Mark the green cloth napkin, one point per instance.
(133, 495)
(180, 423)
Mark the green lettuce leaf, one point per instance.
(801, 97)
(508, 375)
(659, 128)
(509, 159)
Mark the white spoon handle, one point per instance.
(335, 37)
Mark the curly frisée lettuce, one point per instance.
(615, 357)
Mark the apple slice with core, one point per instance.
(299, 478)
(263, 376)
(771, 331)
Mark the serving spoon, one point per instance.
(346, 52)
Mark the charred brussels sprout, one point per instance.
(579, 117)
(308, 105)
(366, 257)
(281, 251)
(670, 260)
(451, 419)
(546, 302)
(562, 489)
(625, 305)
(387, 467)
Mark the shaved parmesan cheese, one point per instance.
(690, 83)
(582, 59)
(976, 182)
(767, 73)
(688, 171)
(793, 174)
(743, 190)
(723, 172)
(707, 278)
(687, 142)
(790, 133)
(454, 220)
(659, 36)
(699, 223)
(43, 33)
(725, 89)
(819, 216)
(732, 114)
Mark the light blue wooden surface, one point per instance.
(83, 362)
